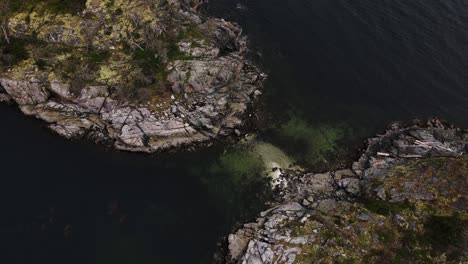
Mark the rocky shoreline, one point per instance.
(146, 76)
(137, 75)
(404, 200)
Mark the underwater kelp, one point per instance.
(240, 164)
(236, 178)
(311, 143)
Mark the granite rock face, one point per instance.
(142, 75)
(404, 200)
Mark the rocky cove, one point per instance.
(145, 76)
(403, 201)
(140, 75)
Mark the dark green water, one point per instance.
(339, 72)
(75, 202)
(344, 69)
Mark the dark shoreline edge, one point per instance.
(219, 125)
(305, 194)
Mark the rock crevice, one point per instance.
(142, 75)
(382, 208)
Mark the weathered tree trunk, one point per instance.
(5, 33)
(4, 12)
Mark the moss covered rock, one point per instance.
(405, 201)
(144, 75)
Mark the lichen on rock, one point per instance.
(167, 75)
(404, 201)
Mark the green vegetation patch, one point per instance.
(416, 229)
(13, 53)
(192, 32)
(98, 56)
(127, 52)
(433, 184)
(174, 53)
(315, 143)
(149, 61)
(237, 182)
(52, 6)
(387, 208)
(445, 234)
(239, 164)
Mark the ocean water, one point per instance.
(364, 62)
(339, 71)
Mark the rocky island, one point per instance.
(140, 75)
(403, 201)
(150, 75)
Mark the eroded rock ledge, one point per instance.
(403, 201)
(144, 75)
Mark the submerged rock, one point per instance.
(408, 205)
(143, 75)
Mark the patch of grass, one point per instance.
(148, 60)
(52, 6)
(386, 235)
(13, 53)
(170, 42)
(191, 32)
(445, 234)
(386, 208)
(442, 237)
(347, 261)
(98, 56)
(64, 6)
(174, 53)
(41, 64)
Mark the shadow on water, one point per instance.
(339, 71)
(73, 202)
(357, 64)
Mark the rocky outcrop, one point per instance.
(142, 75)
(404, 200)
